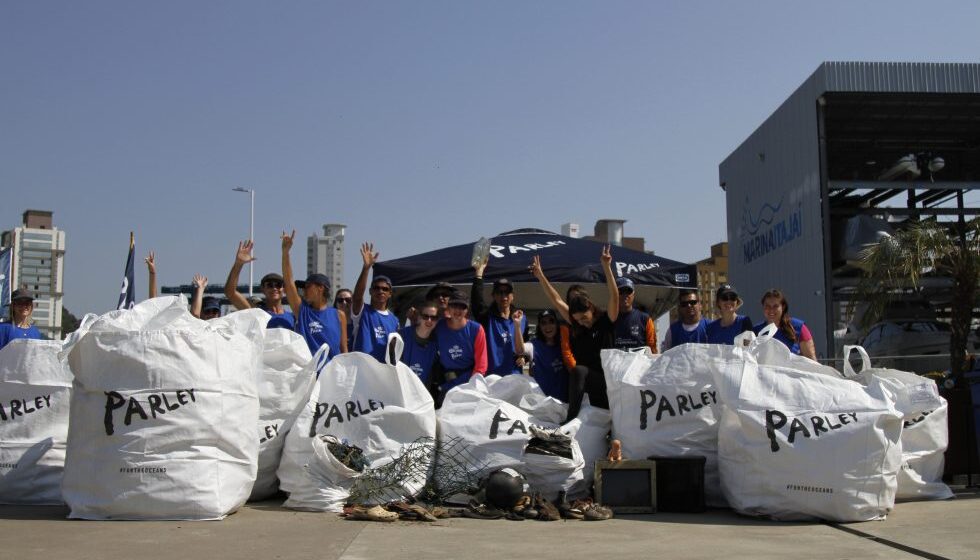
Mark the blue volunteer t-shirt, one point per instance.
(678, 335)
(794, 347)
(549, 371)
(372, 332)
(10, 331)
(500, 345)
(718, 334)
(457, 350)
(284, 320)
(319, 327)
(417, 357)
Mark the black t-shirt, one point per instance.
(586, 343)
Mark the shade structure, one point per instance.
(565, 260)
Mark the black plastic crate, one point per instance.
(680, 483)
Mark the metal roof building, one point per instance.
(858, 148)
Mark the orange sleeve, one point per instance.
(651, 335)
(480, 352)
(566, 347)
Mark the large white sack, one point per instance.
(797, 445)
(35, 395)
(490, 416)
(667, 404)
(163, 414)
(379, 407)
(287, 378)
(925, 433)
(590, 430)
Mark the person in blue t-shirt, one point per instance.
(547, 366)
(272, 286)
(690, 327)
(316, 320)
(498, 323)
(791, 331)
(21, 323)
(421, 349)
(373, 323)
(462, 346)
(724, 329)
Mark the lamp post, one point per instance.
(251, 227)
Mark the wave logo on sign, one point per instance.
(770, 228)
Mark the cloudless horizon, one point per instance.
(419, 125)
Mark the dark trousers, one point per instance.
(584, 380)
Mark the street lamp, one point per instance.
(251, 227)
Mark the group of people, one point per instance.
(452, 336)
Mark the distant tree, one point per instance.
(899, 262)
(69, 323)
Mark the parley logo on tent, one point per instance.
(497, 251)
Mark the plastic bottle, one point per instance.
(481, 250)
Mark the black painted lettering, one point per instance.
(3, 414)
(774, 421)
(113, 401)
(47, 400)
(167, 403)
(682, 404)
(714, 397)
(843, 419)
(134, 408)
(647, 398)
(818, 426)
(318, 412)
(334, 414)
(191, 393)
(181, 397)
(38, 403)
(495, 424)
(155, 403)
(373, 404)
(853, 415)
(797, 425)
(351, 413)
(664, 406)
(15, 409)
(517, 425)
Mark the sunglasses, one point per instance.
(427, 317)
(728, 297)
(380, 288)
(625, 291)
(344, 300)
(689, 303)
(273, 285)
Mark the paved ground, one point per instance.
(264, 530)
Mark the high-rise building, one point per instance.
(38, 263)
(712, 272)
(325, 254)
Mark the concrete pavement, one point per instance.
(264, 530)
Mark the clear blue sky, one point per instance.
(418, 124)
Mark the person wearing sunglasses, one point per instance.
(547, 366)
(318, 321)
(421, 351)
(791, 331)
(342, 302)
(724, 329)
(462, 346)
(272, 286)
(21, 323)
(690, 327)
(634, 328)
(373, 323)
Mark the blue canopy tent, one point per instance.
(566, 261)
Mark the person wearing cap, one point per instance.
(440, 294)
(504, 357)
(690, 327)
(316, 319)
(373, 323)
(272, 287)
(462, 346)
(724, 329)
(547, 366)
(633, 328)
(21, 323)
(205, 308)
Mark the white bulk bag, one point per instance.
(35, 394)
(590, 430)
(797, 445)
(379, 407)
(667, 405)
(925, 433)
(287, 378)
(163, 414)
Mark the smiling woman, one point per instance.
(21, 323)
(724, 329)
(791, 331)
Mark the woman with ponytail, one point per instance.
(791, 331)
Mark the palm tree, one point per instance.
(928, 248)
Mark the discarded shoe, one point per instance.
(482, 511)
(597, 512)
(565, 509)
(440, 512)
(375, 513)
(531, 513)
(523, 503)
(514, 516)
(546, 510)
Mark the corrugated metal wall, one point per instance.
(772, 181)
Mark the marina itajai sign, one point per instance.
(769, 227)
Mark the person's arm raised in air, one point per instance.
(288, 283)
(151, 271)
(478, 306)
(199, 283)
(552, 294)
(521, 355)
(612, 306)
(242, 256)
(368, 258)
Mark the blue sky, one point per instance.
(418, 124)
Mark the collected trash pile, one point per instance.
(149, 413)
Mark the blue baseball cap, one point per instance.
(624, 282)
(317, 278)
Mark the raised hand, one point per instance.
(244, 253)
(606, 257)
(151, 264)
(517, 316)
(287, 240)
(200, 281)
(368, 254)
(535, 267)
